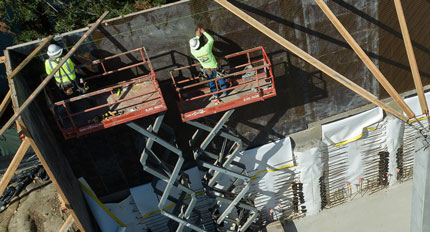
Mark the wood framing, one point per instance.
(50, 76)
(23, 148)
(67, 224)
(29, 57)
(23, 130)
(5, 102)
(366, 60)
(411, 57)
(310, 59)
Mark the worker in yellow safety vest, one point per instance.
(203, 53)
(65, 78)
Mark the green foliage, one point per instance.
(38, 19)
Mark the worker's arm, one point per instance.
(210, 39)
(47, 67)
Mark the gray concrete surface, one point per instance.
(420, 211)
(385, 211)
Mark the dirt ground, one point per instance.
(37, 209)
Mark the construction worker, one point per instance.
(65, 78)
(206, 58)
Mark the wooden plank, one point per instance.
(14, 165)
(366, 60)
(67, 224)
(50, 76)
(411, 57)
(29, 57)
(310, 59)
(2, 59)
(5, 102)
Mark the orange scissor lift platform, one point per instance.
(249, 82)
(136, 96)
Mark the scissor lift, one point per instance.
(248, 82)
(137, 96)
(172, 176)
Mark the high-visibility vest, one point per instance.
(65, 74)
(204, 55)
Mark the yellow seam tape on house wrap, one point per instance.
(94, 197)
(355, 138)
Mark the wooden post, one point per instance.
(310, 59)
(5, 102)
(29, 57)
(50, 76)
(14, 165)
(411, 57)
(67, 224)
(366, 60)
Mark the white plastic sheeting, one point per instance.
(414, 103)
(310, 167)
(147, 202)
(351, 128)
(272, 170)
(105, 219)
(127, 212)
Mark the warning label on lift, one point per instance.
(153, 108)
(90, 127)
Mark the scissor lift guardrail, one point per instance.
(112, 105)
(248, 82)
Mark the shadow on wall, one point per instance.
(341, 43)
(295, 87)
(121, 47)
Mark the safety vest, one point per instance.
(65, 74)
(204, 55)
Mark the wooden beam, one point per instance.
(411, 57)
(366, 60)
(67, 224)
(310, 59)
(5, 102)
(29, 57)
(50, 76)
(2, 59)
(14, 165)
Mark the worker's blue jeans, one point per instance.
(212, 86)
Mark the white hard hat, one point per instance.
(194, 43)
(54, 51)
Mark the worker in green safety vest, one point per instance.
(206, 58)
(65, 78)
